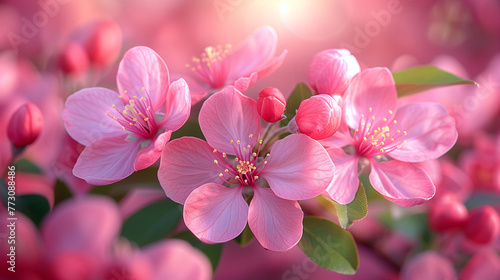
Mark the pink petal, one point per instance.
(186, 164)
(198, 91)
(346, 182)
(85, 116)
(150, 154)
(229, 115)
(430, 131)
(372, 88)
(138, 198)
(275, 222)
(272, 65)
(298, 168)
(177, 106)
(177, 260)
(340, 139)
(215, 213)
(143, 67)
(255, 52)
(107, 161)
(243, 83)
(401, 182)
(86, 225)
(429, 266)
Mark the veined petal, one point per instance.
(186, 164)
(150, 154)
(298, 168)
(243, 83)
(430, 129)
(107, 161)
(143, 67)
(229, 115)
(272, 65)
(177, 106)
(275, 222)
(215, 213)
(198, 91)
(73, 226)
(255, 52)
(401, 182)
(85, 116)
(372, 88)
(346, 182)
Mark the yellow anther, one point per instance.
(254, 154)
(232, 141)
(370, 109)
(226, 170)
(387, 134)
(398, 146)
(398, 131)
(251, 135)
(107, 113)
(223, 154)
(268, 154)
(215, 150)
(255, 177)
(220, 174)
(382, 150)
(149, 108)
(238, 142)
(404, 132)
(248, 146)
(142, 88)
(244, 149)
(373, 117)
(265, 162)
(260, 142)
(395, 121)
(404, 141)
(392, 139)
(384, 119)
(215, 161)
(130, 123)
(390, 112)
(113, 106)
(123, 128)
(246, 181)
(134, 97)
(146, 119)
(364, 138)
(114, 118)
(356, 130)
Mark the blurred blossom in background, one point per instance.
(50, 49)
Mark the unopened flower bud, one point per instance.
(25, 125)
(319, 116)
(104, 44)
(271, 104)
(483, 225)
(73, 59)
(450, 214)
(331, 71)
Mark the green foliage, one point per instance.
(417, 79)
(356, 210)
(329, 246)
(301, 92)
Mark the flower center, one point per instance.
(245, 168)
(212, 68)
(136, 118)
(377, 137)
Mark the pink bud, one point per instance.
(271, 104)
(450, 214)
(104, 44)
(331, 71)
(319, 116)
(25, 125)
(483, 225)
(73, 59)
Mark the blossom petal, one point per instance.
(73, 226)
(85, 116)
(197, 90)
(401, 182)
(372, 88)
(346, 182)
(215, 213)
(429, 265)
(186, 164)
(340, 139)
(177, 260)
(177, 106)
(275, 222)
(141, 67)
(298, 168)
(272, 65)
(243, 83)
(150, 154)
(255, 52)
(430, 129)
(229, 115)
(107, 161)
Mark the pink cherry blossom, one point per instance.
(126, 131)
(216, 179)
(429, 265)
(389, 139)
(241, 67)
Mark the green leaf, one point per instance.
(213, 251)
(356, 210)
(26, 166)
(34, 206)
(301, 92)
(245, 237)
(329, 246)
(422, 78)
(152, 223)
